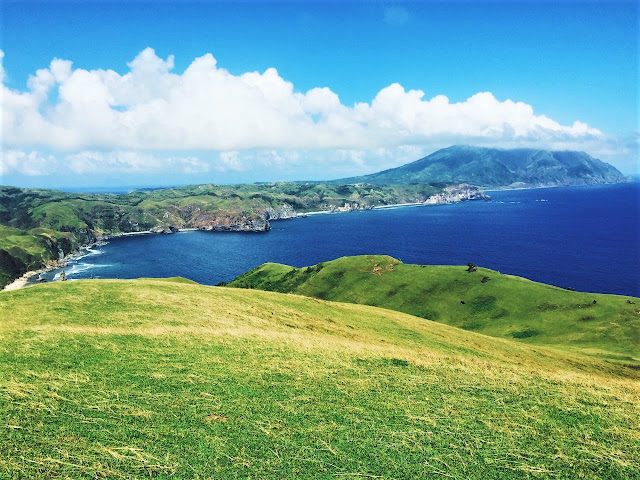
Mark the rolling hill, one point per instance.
(170, 379)
(493, 167)
(483, 301)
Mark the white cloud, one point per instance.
(208, 108)
(31, 164)
(131, 162)
(229, 161)
(103, 122)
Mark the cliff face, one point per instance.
(281, 213)
(221, 222)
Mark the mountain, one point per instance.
(165, 378)
(493, 167)
(480, 300)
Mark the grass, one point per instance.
(166, 378)
(483, 301)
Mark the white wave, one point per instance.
(90, 251)
(83, 267)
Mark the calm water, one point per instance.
(585, 238)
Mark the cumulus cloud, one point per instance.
(207, 108)
(31, 163)
(132, 162)
(101, 120)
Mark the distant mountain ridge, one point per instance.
(494, 167)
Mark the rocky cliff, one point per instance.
(284, 212)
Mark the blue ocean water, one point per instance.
(586, 238)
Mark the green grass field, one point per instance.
(170, 379)
(494, 304)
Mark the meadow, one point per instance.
(476, 299)
(170, 379)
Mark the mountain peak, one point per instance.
(497, 167)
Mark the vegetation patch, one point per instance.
(475, 325)
(528, 333)
(483, 303)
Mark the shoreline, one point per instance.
(23, 281)
(143, 232)
(507, 189)
(377, 207)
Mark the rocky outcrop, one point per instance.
(457, 193)
(165, 229)
(284, 212)
(351, 206)
(215, 221)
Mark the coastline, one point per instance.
(23, 281)
(377, 207)
(507, 189)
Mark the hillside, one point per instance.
(493, 167)
(167, 378)
(41, 226)
(494, 304)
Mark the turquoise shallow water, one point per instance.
(584, 238)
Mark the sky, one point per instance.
(120, 93)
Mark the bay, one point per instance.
(586, 238)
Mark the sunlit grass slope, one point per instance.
(483, 301)
(166, 378)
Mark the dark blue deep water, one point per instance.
(587, 238)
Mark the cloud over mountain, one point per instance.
(73, 112)
(206, 107)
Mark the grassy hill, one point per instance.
(166, 378)
(495, 167)
(484, 301)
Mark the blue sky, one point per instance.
(568, 61)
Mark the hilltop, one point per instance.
(494, 167)
(482, 300)
(167, 378)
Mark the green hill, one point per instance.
(484, 301)
(494, 167)
(169, 379)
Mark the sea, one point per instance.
(584, 238)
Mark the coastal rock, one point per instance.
(346, 207)
(457, 193)
(282, 213)
(220, 222)
(166, 229)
